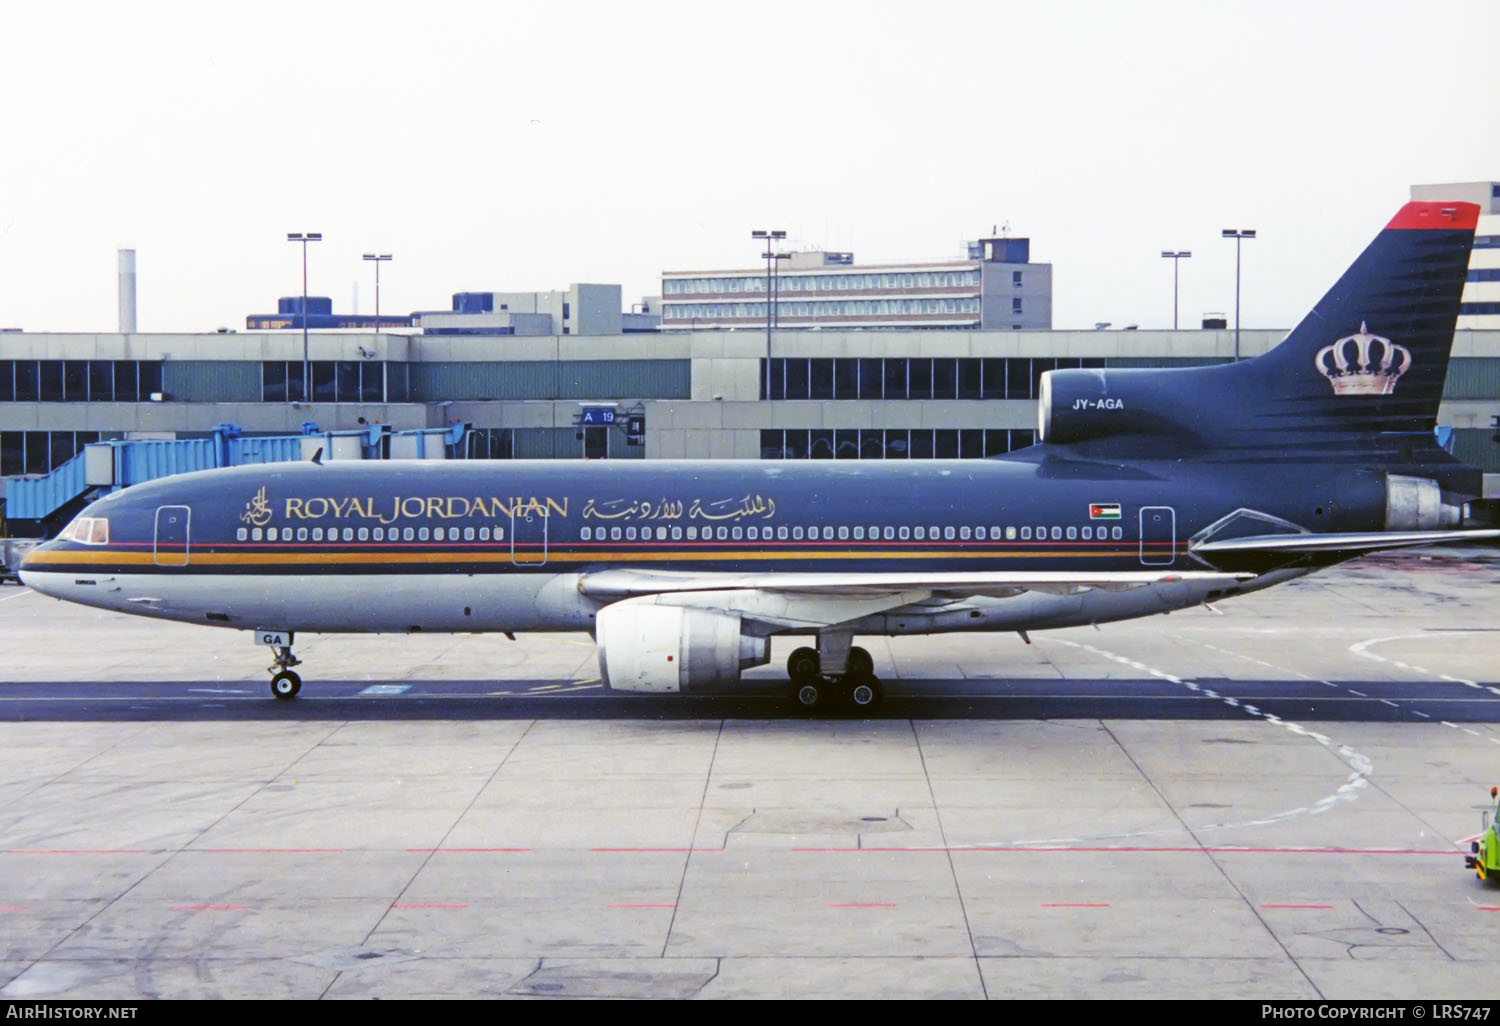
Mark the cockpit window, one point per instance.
(87, 531)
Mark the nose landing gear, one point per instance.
(285, 683)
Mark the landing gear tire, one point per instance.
(808, 695)
(285, 684)
(803, 665)
(861, 665)
(865, 695)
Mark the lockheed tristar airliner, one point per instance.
(1150, 490)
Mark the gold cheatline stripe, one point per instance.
(375, 558)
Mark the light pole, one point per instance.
(305, 238)
(377, 259)
(1176, 259)
(1237, 235)
(771, 238)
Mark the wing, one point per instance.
(816, 601)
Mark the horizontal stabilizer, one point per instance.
(1358, 541)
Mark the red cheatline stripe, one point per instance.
(209, 908)
(646, 905)
(468, 850)
(1296, 906)
(428, 905)
(1075, 904)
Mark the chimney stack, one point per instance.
(127, 291)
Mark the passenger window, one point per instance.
(1057, 534)
(422, 534)
(963, 533)
(614, 534)
(723, 534)
(587, 534)
(781, 533)
(661, 534)
(439, 534)
(317, 534)
(692, 534)
(240, 535)
(904, 532)
(932, 532)
(1088, 533)
(1117, 533)
(484, 534)
(921, 534)
(738, 532)
(948, 533)
(1010, 534)
(379, 534)
(676, 534)
(364, 533)
(890, 534)
(753, 533)
(468, 533)
(796, 534)
(1041, 533)
(1072, 534)
(843, 533)
(407, 534)
(302, 534)
(499, 533)
(630, 534)
(859, 533)
(1026, 534)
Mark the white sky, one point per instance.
(517, 146)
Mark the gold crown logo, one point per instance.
(1362, 376)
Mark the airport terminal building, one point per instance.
(895, 394)
(608, 387)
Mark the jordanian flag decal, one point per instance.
(1104, 511)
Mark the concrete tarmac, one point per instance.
(1265, 800)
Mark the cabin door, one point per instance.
(171, 548)
(1158, 535)
(528, 535)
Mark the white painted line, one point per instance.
(385, 689)
(12, 598)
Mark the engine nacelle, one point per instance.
(1417, 504)
(648, 647)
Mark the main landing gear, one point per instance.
(285, 683)
(855, 689)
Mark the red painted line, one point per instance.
(1446, 853)
(468, 850)
(657, 849)
(1488, 908)
(645, 905)
(265, 851)
(209, 908)
(1075, 904)
(1296, 906)
(416, 905)
(859, 904)
(76, 851)
(12, 908)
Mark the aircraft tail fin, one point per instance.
(1358, 380)
(1372, 354)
